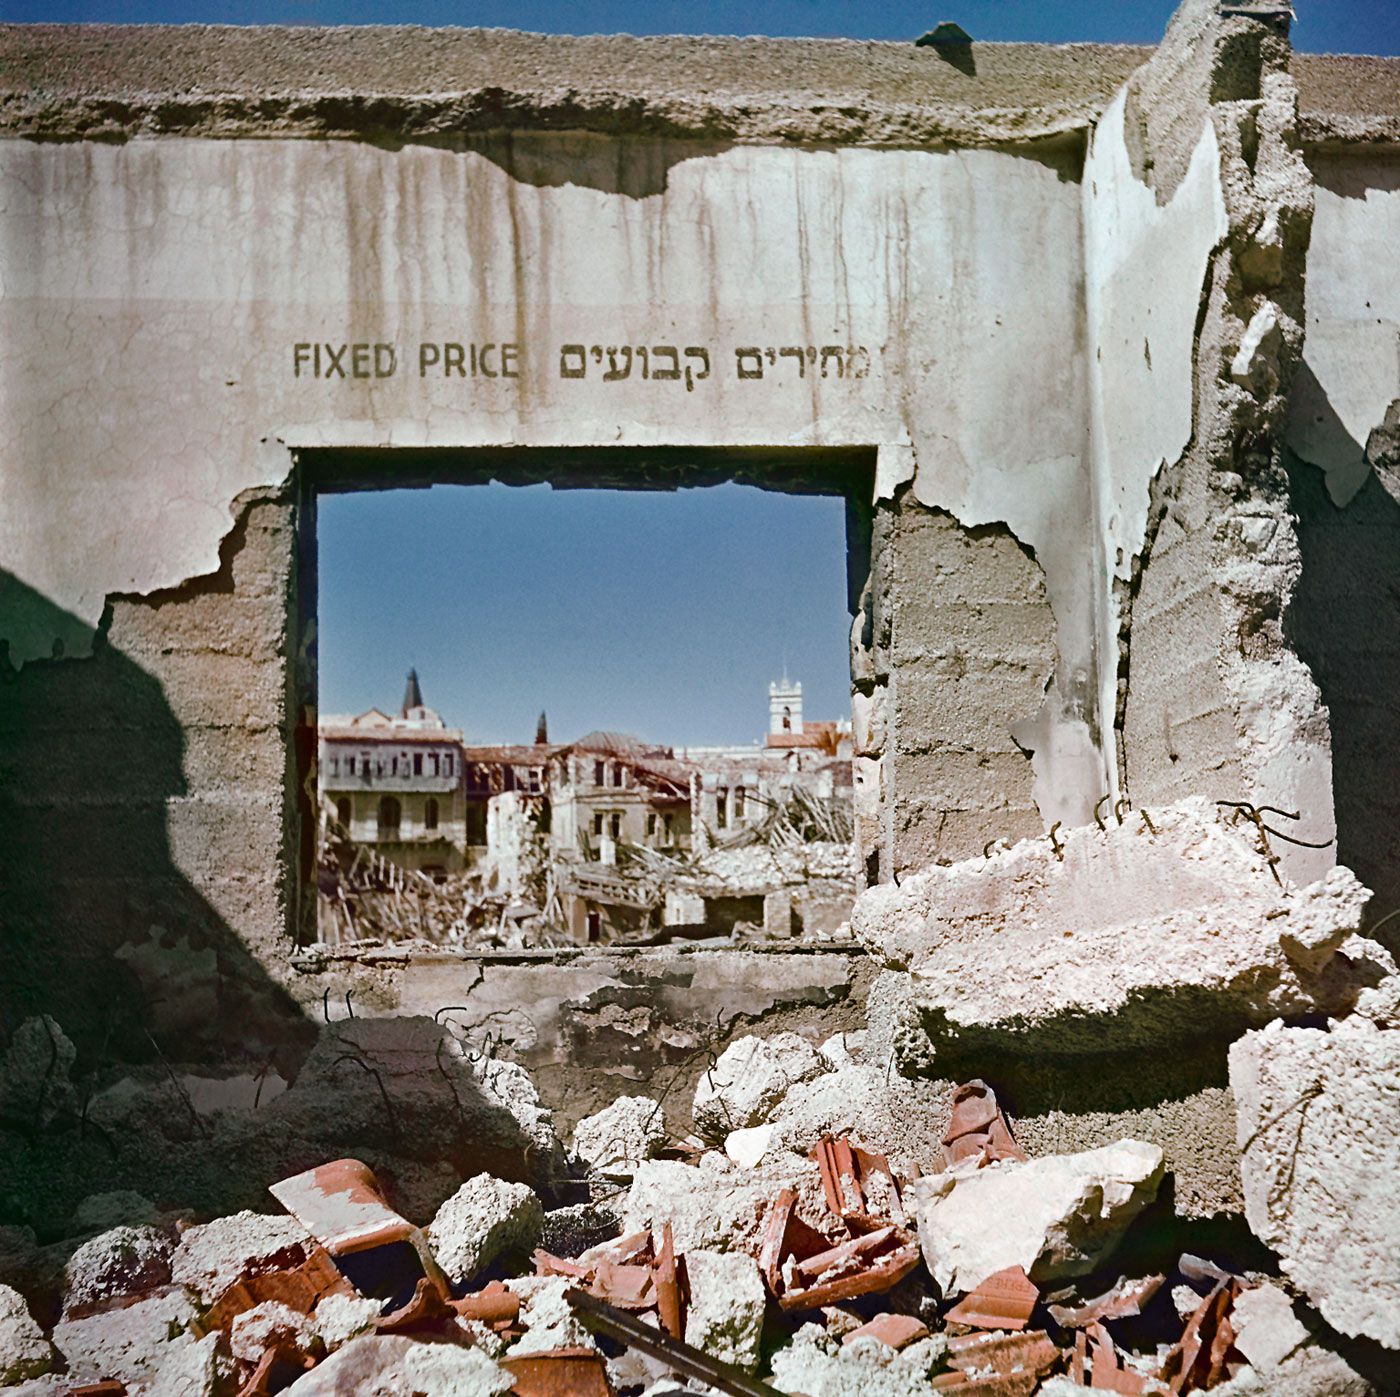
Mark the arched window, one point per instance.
(430, 814)
(389, 816)
(342, 811)
(787, 720)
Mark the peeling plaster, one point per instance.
(1351, 357)
(154, 290)
(1147, 266)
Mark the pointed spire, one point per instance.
(412, 695)
(542, 730)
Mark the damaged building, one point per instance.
(1097, 344)
(605, 838)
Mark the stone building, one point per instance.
(1097, 343)
(397, 783)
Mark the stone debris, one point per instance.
(340, 1318)
(747, 1147)
(269, 1325)
(1054, 1217)
(727, 1303)
(389, 1365)
(1319, 1137)
(895, 1283)
(1129, 937)
(750, 1078)
(483, 1220)
(714, 1206)
(100, 1212)
(24, 1351)
(128, 1343)
(211, 1258)
(200, 1369)
(819, 1365)
(124, 1261)
(34, 1073)
(615, 1140)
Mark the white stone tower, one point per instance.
(785, 706)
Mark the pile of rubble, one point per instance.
(737, 1266)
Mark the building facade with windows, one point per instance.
(397, 783)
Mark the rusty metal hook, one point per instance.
(1098, 805)
(1055, 843)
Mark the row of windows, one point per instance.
(602, 771)
(612, 822)
(722, 805)
(400, 764)
(390, 815)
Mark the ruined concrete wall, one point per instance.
(963, 652)
(1344, 469)
(148, 808)
(156, 293)
(1215, 700)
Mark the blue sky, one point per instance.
(1337, 26)
(659, 614)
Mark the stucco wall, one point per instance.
(1345, 615)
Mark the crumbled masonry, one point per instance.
(1319, 1133)
(1167, 927)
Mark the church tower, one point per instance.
(785, 706)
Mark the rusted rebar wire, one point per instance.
(1257, 813)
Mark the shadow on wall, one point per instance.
(1344, 622)
(101, 929)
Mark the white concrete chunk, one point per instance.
(210, 1258)
(619, 1137)
(1140, 935)
(485, 1218)
(727, 1303)
(389, 1365)
(1054, 1217)
(123, 1261)
(24, 1352)
(129, 1343)
(749, 1081)
(1319, 1135)
(265, 1325)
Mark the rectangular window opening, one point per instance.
(669, 669)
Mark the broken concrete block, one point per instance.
(1054, 1217)
(340, 1318)
(1319, 1133)
(619, 1137)
(389, 1365)
(24, 1352)
(716, 1206)
(1266, 1329)
(267, 1325)
(1137, 936)
(210, 1258)
(841, 1050)
(129, 1343)
(747, 1147)
(819, 1365)
(484, 1219)
(548, 1320)
(201, 1369)
(34, 1073)
(727, 1303)
(1311, 1371)
(751, 1077)
(124, 1261)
